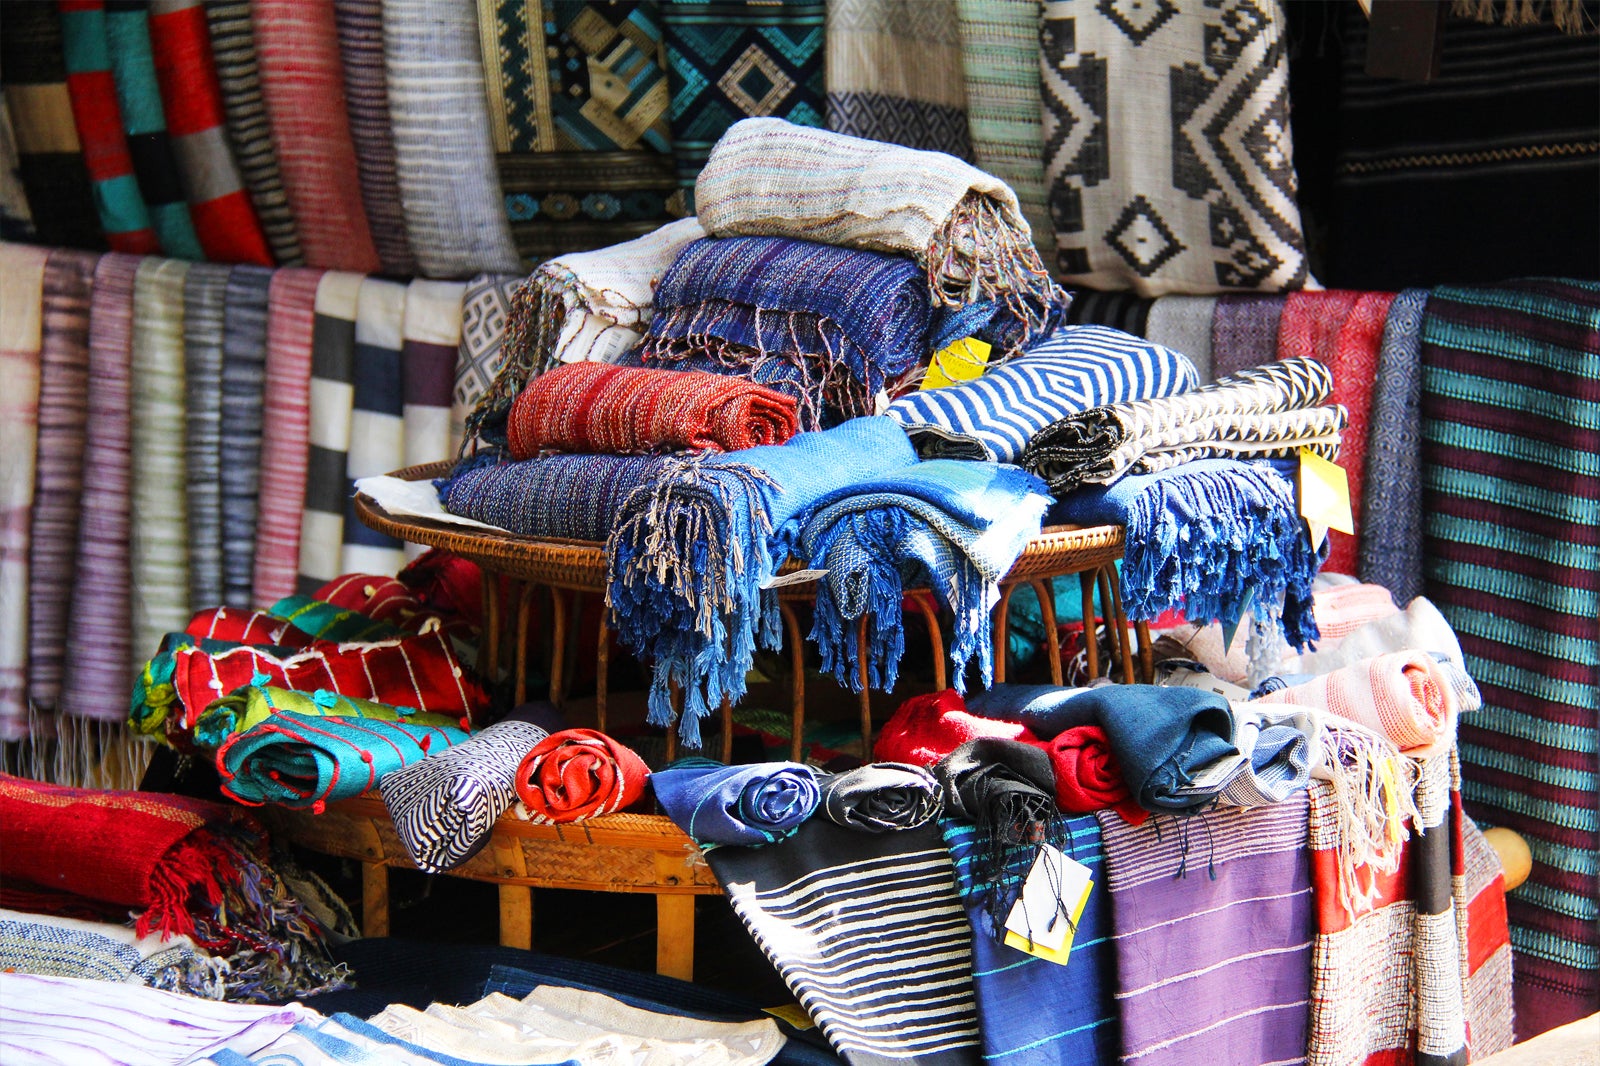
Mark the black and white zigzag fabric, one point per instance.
(444, 806)
(1261, 412)
(868, 933)
(1072, 370)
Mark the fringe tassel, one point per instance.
(1569, 16)
(78, 753)
(533, 325)
(1375, 792)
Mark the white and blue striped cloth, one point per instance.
(1074, 369)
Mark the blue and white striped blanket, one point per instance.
(1074, 369)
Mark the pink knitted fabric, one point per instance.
(1405, 696)
(1346, 608)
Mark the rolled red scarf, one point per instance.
(577, 774)
(1088, 776)
(927, 728)
(614, 410)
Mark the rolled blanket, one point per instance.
(297, 628)
(957, 526)
(881, 797)
(1045, 709)
(1088, 776)
(561, 497)
(688, 557)
(577, 774)
(744, 301)
(1281, 749)
(302, 761)
(1073, 369)
(250, 705)
(1212, 537)
(444, 807)
(1409, 697)
(591, 407)
(588, 306)
(925, 729)
(767, 177)
(739, 805)
(1263, 411)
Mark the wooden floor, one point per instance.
(1577, 1044)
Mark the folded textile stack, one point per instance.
(55, 946)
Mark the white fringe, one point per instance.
(78, 752)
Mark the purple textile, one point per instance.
(1212, 969)
(1244, 333)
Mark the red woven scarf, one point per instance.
(1088, 776)
(577, 774)
(613, 410)
(927, 728)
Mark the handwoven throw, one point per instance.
(1269, 410)
(567, 497)
(1344, 330)
(158, 536)
(246, 708)
(867, 931)
(305, 761)
(285, 442)
(99, 951)
(133, 69)
(377, 419)
(752, 805)
(1480, 894)
(583, 307)
(1000, 65)
(444, 806)
(223, 216)
(455, 215)
(576, 774)
(1215, 966)
(204, 296)
(50, 158)
(881, 797)
(768, 177)
(22, 270)
(431, 335)
(1391, 497)
(247, 627)
(1088, 776)
(890, 74)
(956, 526)
(728, 60)
(1189, 189)
(98, 653)
(924, 729)
(485, 303)
(327, 483)
(1511, 498)
(1281, 749)
(360, 24)
(591, 407)
(324, 619)
(578, 117)
(302, 85)
(1244, 332)
(58, 482)
(688, 557)
(1410, 698)
(1212, 536)
(124, 216)
(244, 399)
(233, 48)
(1126, 311)
(1031, 1009)
(1074, 369)
(1183, 323)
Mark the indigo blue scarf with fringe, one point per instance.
(690, 554)
(567, 497)
(954, 526)
(1210, 537)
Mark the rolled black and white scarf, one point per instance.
(882, 797)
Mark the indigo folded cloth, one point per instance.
(562, 497)
(579, 773)
(250, 705)
(768, 177)
(1072, 369)
(1281, 746)
(736, 805)
(1088, 776)
(689, 556)
(613, 410)
(1409, 697)
(927, 728)
(881, 797)
(303, 761)
(1261, 411)
(852, 320)
(956, 526)
(584, 307)
(1210, 537)
(1047, 710)
(444, 807)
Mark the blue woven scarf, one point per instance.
(955, 526)
(740, 805)
(1210, 537)
(689, 556)
(567, 497)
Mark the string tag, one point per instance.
(1324, 496)
(1231, 629)
(799, 577)
(1044, 919)
(964, 360)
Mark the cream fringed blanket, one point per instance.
(770, 178)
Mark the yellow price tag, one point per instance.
(794, 1014)
(964, 360)
(1325, 493)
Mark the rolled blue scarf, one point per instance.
(737, 805)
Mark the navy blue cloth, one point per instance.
(1045, 709)
(1162, 737)
(750, 805)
